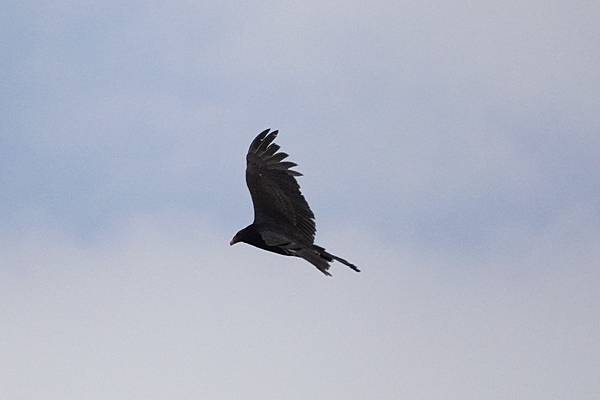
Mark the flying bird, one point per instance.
(283, 221)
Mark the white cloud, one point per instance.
(163, 307)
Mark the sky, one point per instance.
(451, 150)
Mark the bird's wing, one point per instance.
(275, 192)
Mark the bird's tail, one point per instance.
(315, 258)
(330, 257)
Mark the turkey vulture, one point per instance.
(283, 221)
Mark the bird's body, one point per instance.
(253, 237)
(283, 221)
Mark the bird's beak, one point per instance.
(233, 241)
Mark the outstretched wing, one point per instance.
(275, 192)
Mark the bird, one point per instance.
(283, 221)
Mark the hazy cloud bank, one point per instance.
(163, 307)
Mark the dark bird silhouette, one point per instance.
(283, 221)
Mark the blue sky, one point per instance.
(450, 150)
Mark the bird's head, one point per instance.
(246, 235)
(239, 237)
(236, 238)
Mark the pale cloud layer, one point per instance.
(165, 309)
(450, 150)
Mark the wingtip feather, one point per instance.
(258, 139)
(265, 142)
